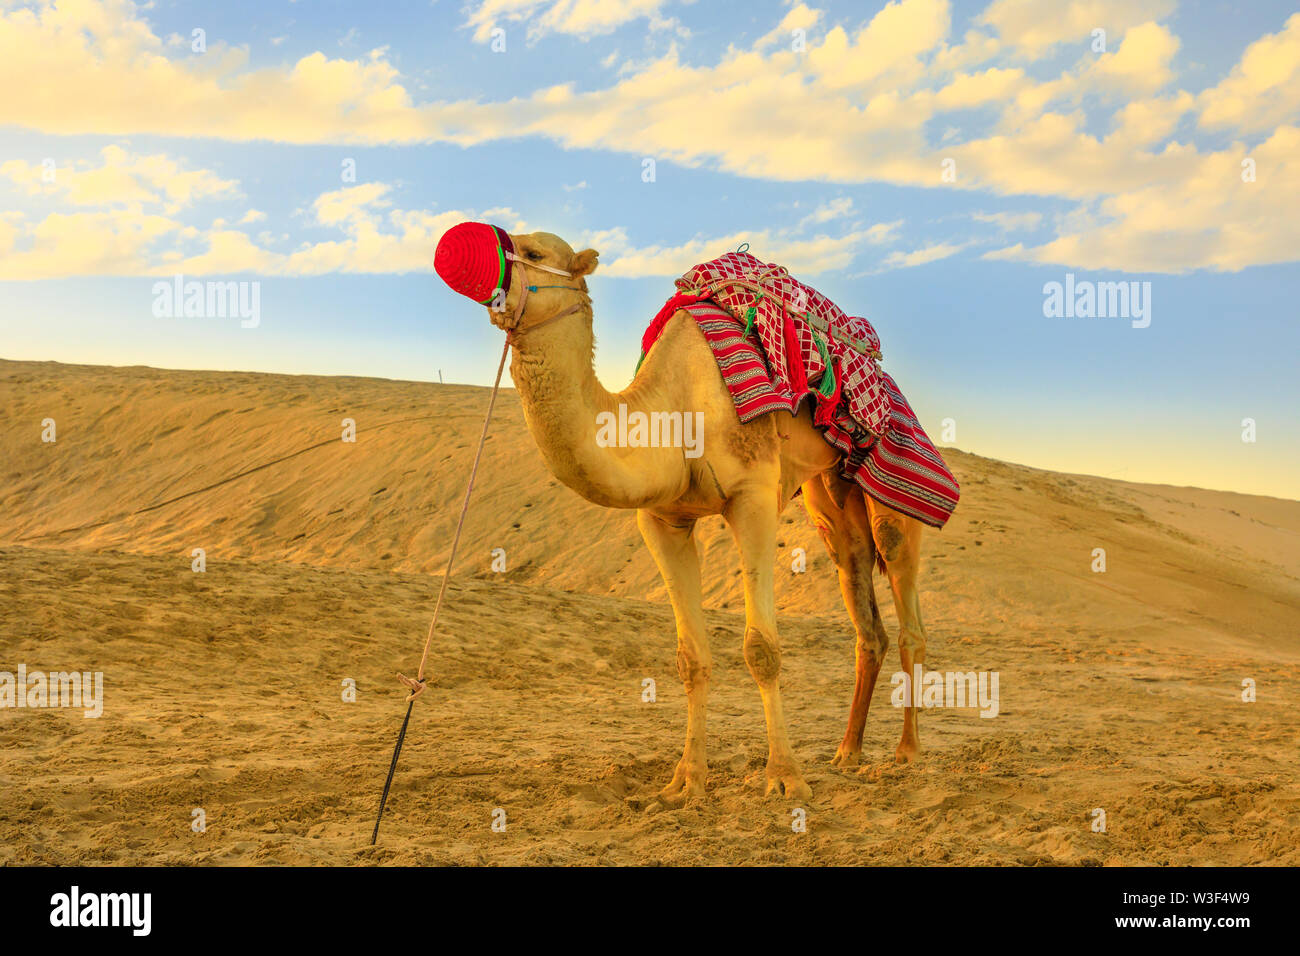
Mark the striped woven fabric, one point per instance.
(801, 332)
(902, 469)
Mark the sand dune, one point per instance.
(1119, 690)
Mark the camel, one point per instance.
(746, 473)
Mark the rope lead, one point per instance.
(417, 684)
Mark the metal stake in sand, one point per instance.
(416, 684)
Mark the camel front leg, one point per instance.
(674, 549)
(753, 520)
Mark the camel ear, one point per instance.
(584, 262)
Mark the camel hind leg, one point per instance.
(898, 540)
(839, 512)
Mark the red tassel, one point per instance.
(794, 358)
(826, 406)
(656, 327)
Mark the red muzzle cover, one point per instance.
(471, 258)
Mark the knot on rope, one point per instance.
(417, 685)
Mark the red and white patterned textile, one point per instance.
(865, 416)
(900, 467)
(793, 319)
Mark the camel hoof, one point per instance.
(789, 786)
(906, 755)
(684, 786)
(846, 758)
(675, 797)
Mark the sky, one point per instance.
(933, 165)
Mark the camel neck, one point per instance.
(553, 370)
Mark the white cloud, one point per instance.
(1142, 62)
(835, 209)
(103, 71)
(1033, 27)
(801, 255)
(861, 105)
(922, 256)
(115, 242)
(120, 177)
(1263, 90)
(123, 237)
(351, 204)
(1010, 221)
(1207, 219)
(801, 17)
(581, 18)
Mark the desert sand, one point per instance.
(224, 689)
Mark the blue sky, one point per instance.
(1122, 164)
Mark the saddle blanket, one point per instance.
(897, 465)
(810, 344)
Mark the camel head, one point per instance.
(524, 280)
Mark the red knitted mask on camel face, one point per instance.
(475, 259)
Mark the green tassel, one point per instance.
(826, 388)
(751, 314)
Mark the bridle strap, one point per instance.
(513, 333)
(537, 265)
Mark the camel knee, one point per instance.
(762, 656)
(871, 646)
(881, 639)
(694, 670)
(889, 537)
(911, 641)
(830, 537)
